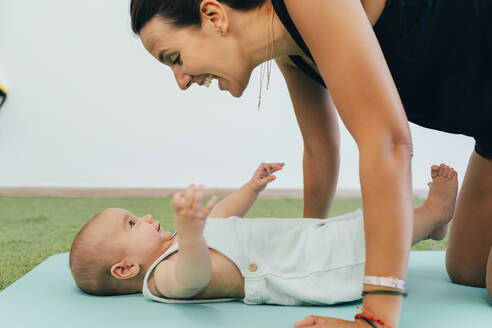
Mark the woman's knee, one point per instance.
(462, 274)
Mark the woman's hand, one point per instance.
(319, 322)
(263, 175)
(190, 218)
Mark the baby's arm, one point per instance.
(192, 269)
(239, 202)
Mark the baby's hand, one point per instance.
(190, 218)
(263, 175)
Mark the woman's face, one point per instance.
(194, 53)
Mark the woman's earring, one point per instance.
(268, 63)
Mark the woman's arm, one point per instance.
(318, 123)
(239, 201)
(352, 65)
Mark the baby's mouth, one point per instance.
(158, 227)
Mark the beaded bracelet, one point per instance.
(368, 322)
(384, 292)
(370, 316)
(385, 282)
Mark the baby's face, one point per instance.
(141, 239)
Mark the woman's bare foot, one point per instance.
(442, 198)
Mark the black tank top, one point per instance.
(283, 14)
(440, 56)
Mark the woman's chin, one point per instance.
(235, 89)
(236, 94)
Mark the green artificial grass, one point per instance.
(34, 228)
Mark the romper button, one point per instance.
(252, 267)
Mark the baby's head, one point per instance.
(112, 252)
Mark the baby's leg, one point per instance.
(431, 218)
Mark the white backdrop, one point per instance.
(88, 107)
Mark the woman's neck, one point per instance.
(254, 31)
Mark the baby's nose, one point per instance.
(148, 218)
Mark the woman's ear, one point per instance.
(214, 12)
(125, 270)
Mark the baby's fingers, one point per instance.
(210, 205)
(274, 167)
(263, 170)
(270, 168)
(197, 198)
(188, 199)
(177, 200)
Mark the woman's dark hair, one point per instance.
(182, 13)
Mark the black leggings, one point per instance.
(440, 55)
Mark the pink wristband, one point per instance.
(385, 282)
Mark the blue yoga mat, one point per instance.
(48, 297)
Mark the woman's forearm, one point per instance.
(385, 174)
(193, 266)
(320, 181)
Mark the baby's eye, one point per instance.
(132, 223)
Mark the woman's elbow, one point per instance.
(403, 144)
(387, 146)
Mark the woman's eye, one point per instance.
(177, 60)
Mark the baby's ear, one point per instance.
(125, 270)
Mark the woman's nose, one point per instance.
(184, 80)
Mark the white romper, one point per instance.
(288, 261)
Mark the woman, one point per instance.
(361, 56)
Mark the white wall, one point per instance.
(88, 107)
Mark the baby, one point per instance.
(274, 261)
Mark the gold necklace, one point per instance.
(268, 61)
